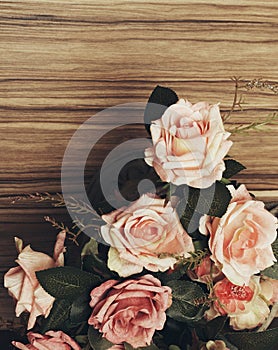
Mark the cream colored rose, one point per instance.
(189, 144)
(240, 241)
(214, 345)
(22, 283)
(143, 236)
(247, 306)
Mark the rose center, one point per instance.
(241, 292)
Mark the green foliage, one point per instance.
(92, 263)
(254, 340)
(188, 301)
(195, 202)
(66, 282)
(91, 247)
(97, 341)
(58, 318)
(159, 100)
(207, 330)
(272, 271)
(80, 310)
(232, 168)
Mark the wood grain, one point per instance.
(63, 61)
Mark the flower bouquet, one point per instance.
(191, 264)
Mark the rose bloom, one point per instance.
(214, 345)
(270, 287)
(189, 144)
(140, 234)
(247, 306)
(130, 311)
(205, 272)
(22, 283)
(240, 241)
(49, 341)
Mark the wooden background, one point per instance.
(63, 61)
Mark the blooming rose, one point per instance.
(49, 341)
(189, 144)
(22, 283)
(214, 345)
(140, 234)
(205, 272)
(240, 241)
(130, 311)
(247, 306)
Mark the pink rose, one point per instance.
(189, 144)
(49, 341)
(130, 311)
(22, 283)
(247, 306)
(240, 241)
(144, 235)
(205, 272)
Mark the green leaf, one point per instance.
(232, 168)
(207, 330)
(184, 307)
(90, 247)
(254, 340)
(97, 341)
(271, 271)
(160, 99)
(92, 263)
(221, 200)
(195, 203)
(58, 317)
(81, 340)
(80, 310)
(66, 282)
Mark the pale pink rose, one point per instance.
(240, 241)
(49, 341)
(189, 144)
(247, 306)
(144, 235)
(22, 283)
(205, 272)
(269, 288)
(130, 311)
(214, 345)
(117, 347)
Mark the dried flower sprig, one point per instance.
(190, 262)
(261, 84)
(61, 226)
(256, 126)
(56, 199)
